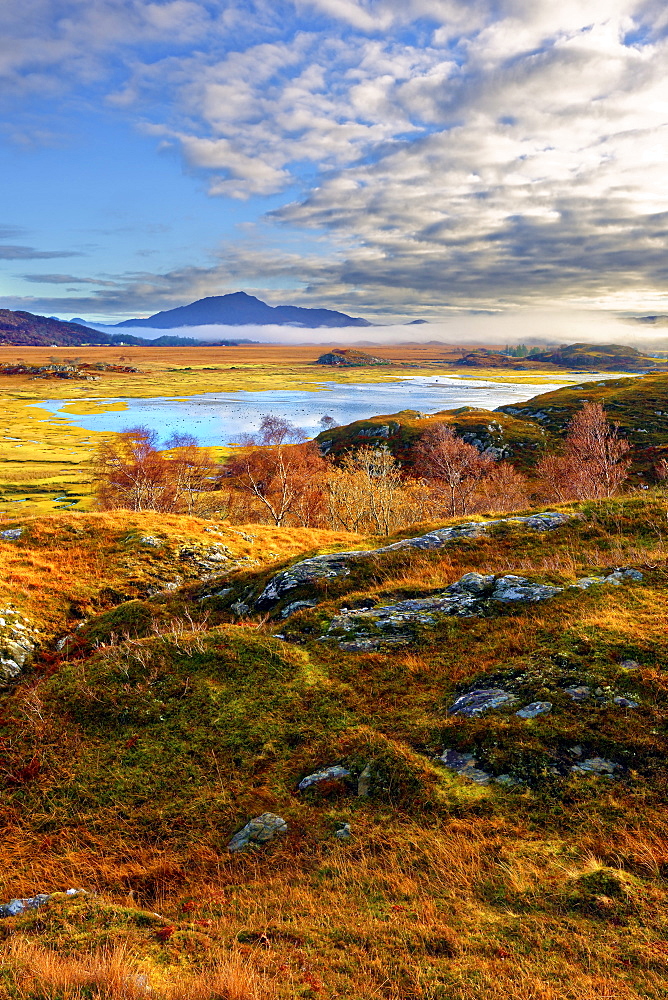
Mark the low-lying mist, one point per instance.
(534, 328)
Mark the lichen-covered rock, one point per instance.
(18, 906)
(466, 765)
(337, 564)
(578, 692)
(474, 703)
(258, 831)
(595, 765)
(295, 606)
(328, 775)
(518, 588)
(534, 709)
(18, 640)
(475, 594)
(11, 534)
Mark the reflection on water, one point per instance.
(216, 418)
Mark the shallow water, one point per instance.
(217, 418)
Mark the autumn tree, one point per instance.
(502, 488)
(130, 472)
(367, 493)
(594, 462)
(281, 471)
(452, 468)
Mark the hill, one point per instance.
(28, 330)
(24, 329)
(521, 431)
(452, 747)
(601, 357)
(240, 309)
(350, 358)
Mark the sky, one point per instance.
(393, 159)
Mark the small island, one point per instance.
(350, 358)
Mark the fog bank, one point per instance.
(531, 327)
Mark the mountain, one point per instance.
(24, 329)
(240, 309)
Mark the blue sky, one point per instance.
(390, 158)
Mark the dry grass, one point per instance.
(39, 973)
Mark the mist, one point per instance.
(540, 328)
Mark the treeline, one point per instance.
(278, 477)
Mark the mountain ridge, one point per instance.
(241, 309)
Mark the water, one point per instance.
(217, 418)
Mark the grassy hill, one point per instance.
(600, 357)
(133, 751)
(520, 431)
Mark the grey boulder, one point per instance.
(480, 700)
(337, 773)
(258, 831)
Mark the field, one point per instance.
(43, 458)
(133, 751)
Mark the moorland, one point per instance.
(277, 761)
(44, 459)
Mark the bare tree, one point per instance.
(279, 470)
(452, 468)
(367, 493)
(594, 462)
(131, 473)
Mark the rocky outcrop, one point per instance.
(258, 831)
(18, 640)
(328, 778)
(17, 906)
(474, 594)
(350, 358)
(338, 564)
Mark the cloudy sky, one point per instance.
(391, 158)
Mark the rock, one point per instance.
(595, 765)
(258, 831)
(534, 709)
(578, 692)
(364, 783)
(290, 609)
(620, 576)
(630, 666)
(336, 774)
(466, 765)
(17, 906)
(9, 669)
(469, 596)
(589, 581)
(508, 781)
(151, 541)
(518, 588)
(11, 534)
(625, 702)
(337, 564)
(240, 609)
(480, 700)
(344, 832)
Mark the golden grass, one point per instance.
(39, 973)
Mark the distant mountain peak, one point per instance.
(242, 309)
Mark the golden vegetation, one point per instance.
(169, 722)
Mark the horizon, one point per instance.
(433, 161)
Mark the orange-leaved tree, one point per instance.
(131, 473)
(281, 471)
(367, 493)
(594, 462)
(452, 468)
